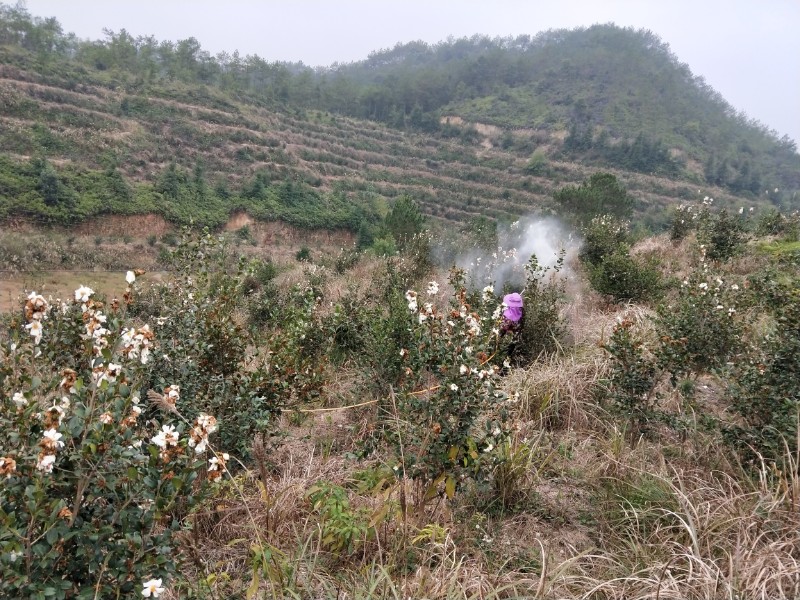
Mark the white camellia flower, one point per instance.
(153, 588)
(54, 438)
(45, 463)
(168, 436)
(35, 329)
(113, 371)
(130, 277)
(19, 399)
(82, 293)
(214, 463)
(207, 422)
(411, 297)
(433, 288)
(454, 387)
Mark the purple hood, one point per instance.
(514, 304)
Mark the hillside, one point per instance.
(321, 400)
(132, 126)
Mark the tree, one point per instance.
(53, 190)
(171, 182)
(404, 220)
(602, 194)
(537, 164)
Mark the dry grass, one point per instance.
(594, 516)
(721, 540)
(557, 390)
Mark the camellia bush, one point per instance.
(243, 376)
(700, 328)
(611, 269)
(765, 391)
(95, 484)
(448, 416)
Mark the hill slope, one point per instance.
(133, 126)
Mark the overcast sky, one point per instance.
(748, 50)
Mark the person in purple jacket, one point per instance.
(512, 321)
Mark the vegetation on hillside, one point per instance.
(135, 125)
(354, 424)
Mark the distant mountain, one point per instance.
(621, 96)
(471, 127)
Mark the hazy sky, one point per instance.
(748, 50)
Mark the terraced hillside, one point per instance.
(89, 128)
(80, 128)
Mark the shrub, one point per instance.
(244, 234)
(604, 236)
(260, 273)
(633, 378)
(93, 491)
(765, 390)
(624, 278)
(537, 164)
(681, 222)
(543, 327)
(343, 528)
(699, 330)
(384, 246)
(346, 259)
(350, 326)
(447, 417)
(770, 223)
(204, 345)
(774, 222)
(723, 235)
(303, 255)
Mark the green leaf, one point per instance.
(450, 486)
(52, 536)
(253, 589)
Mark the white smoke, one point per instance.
(543, 237)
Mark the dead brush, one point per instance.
(557, 391)
(714, 538)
